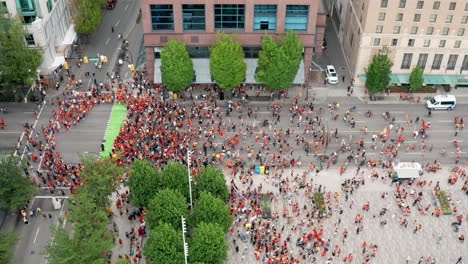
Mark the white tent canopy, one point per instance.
(407, 170)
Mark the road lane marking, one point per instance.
(126, 7)
(35, 237)
(445, 121)
(64, 222)
(118, 21)
(107, 41)
(11, 132)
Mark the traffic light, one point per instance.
(104, 59)
(85, 59)
(132, 67)
(65, 65)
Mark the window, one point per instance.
(414, 30)
(417, 17)
(461, 32)
(383, 3)
(433, 18)
(437, 61)
(297, 17)
(402, 4)
(465, 63)
(229, 16)
(442, 43)
(194, 17)
(198, 52)
(449, 19)
(406, 63)
(466, 7)
(420, 5)
(49, 5)
(162, 17)
(422, 60)
(3, 7)
(379, 29)
(452, 5)
(436, 5)
(411, 43)
(376, 42)
(427, 43)
(265, 17)
(464, 20)
(457, 44)
(396, 29)
(30, 40)
(430, 31)
(394, 42)
(445, 31)
(399, 17)
(381, 16)
(251, 52)
(452, 61)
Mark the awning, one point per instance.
(428, 79)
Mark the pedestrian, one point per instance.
(459, 260)
(349, 88)
(343, 78)
(429, 112)
(50, 216)
(112, 29)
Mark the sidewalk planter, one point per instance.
(397, 90)
(320, 204)
(265, 205)
(444, 203)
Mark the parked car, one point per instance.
(444, 102)
(332, 76)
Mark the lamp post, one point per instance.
(184, 230)
(189, 162)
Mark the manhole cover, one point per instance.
(33, 252)
(342, 68)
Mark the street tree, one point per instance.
(378, 72)
(175, 176)
(166, 207)
(208, 244)
(227, 64)
(209, 209)
(176, 66)
(15, 189)
(18, 62)
(7, 241)
(143, 181)
(87, 15)
(211, 179)
(164, 245)
(416, 79)
(279, 61)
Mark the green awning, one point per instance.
(428, 79)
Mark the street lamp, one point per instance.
(189, 152)
(184, 231)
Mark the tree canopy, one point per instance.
(167, 206)
(143, 181)
(164, 245)
(175, 176)
(7, 241)
(208, 244)
(87, 15)
(378, 72)
(15, 189)
(279, 61)
(176, 66)
(211, 179)
(416, 79)
(18, 62)
(227, 64)
(210, 209)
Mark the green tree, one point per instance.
(123, 261)
(166, 207)
(175, 176)
(416, 79)
(176, 66)
(15, 189)
(143, 181)
(165, 245)
(227, 64)
(378, 72)
(208, 244)
(87, 15)
(209, 209)
(7, 241)
(18, 62)
(279, 61)
(211, 179)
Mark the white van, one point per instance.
(444, 102)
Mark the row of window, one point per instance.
(204, 52)
(417, 18)
(414, 30)
(420, 5)
(411, 42)
(229, 17)
(436, 62)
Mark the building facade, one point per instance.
(50, 27)
(430, 34)
(197, 22)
